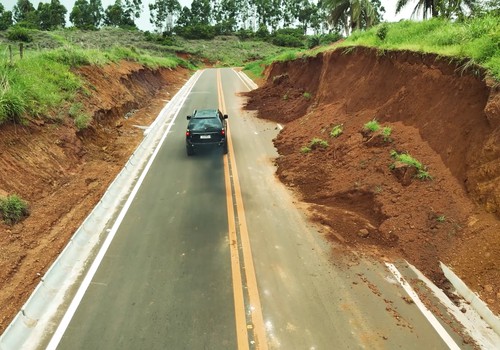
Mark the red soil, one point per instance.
(448, 121)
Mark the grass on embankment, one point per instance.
(476, 40)
(43, 80)
(26, 88)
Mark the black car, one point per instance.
(206, 127)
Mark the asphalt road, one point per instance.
(214, 254)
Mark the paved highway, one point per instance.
(214, 254)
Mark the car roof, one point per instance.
(206, 113)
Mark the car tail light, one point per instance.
(223, 132)
(188, 133)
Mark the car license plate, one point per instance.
(204, 136)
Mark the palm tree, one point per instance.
(350, 14)
(424, 6)
(457, 8)
(442, 8)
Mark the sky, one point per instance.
(143, 22)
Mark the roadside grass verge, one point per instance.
(476, 40)
(43, 80)
(256, 68)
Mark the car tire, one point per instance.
(224, 148)
(189, 150)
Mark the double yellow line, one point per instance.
(236, 212)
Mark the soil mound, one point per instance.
(447, 119)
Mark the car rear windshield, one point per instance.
(205, 124)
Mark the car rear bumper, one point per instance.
(189, 143)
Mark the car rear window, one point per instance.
(205, 123)
(208, 113)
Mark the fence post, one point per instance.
(21, 50)
(10, 54)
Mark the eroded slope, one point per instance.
(447, 119)
(63, 173)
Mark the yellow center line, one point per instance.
(251, 280)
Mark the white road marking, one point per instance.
(249, 84)
(430, 317)
(61, 329)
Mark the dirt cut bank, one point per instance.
(446, 120)
(63, 172)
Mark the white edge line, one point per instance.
(243, 77)
(475, 325)
(63, 325)
(430, 317)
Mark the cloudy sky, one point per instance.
(143, 21)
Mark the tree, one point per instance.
(184, 17)
(24, 11)
(51, 15)
(493, 7)
(351, 14)
(426, 7)
(86, 15)
(162, 14)
(132, 8)
(5, 18)
(306, 14)
(456, 8)
(116, 15)
(225, 14)
(264, 11)
(440, 8)
(201, 12)
(96, 13)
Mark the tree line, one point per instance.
(205, 18)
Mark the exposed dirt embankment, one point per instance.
(448, 121)
(62, 173)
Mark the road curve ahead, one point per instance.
(212, 253)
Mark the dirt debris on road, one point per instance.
(449, 122)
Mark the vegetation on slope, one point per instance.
(27, 91)
(477, 40)
(43, 80)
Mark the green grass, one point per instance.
(386, 132)
(317, 142)
(256, 69)
(229, 51)
(407, 159)
(13, 209)
(372, 125)
(314, 144)
(305, 149)
(34, 85)
(81, 119)
(43, 80)
(337, 130)
(476, 40)
(441, 218)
